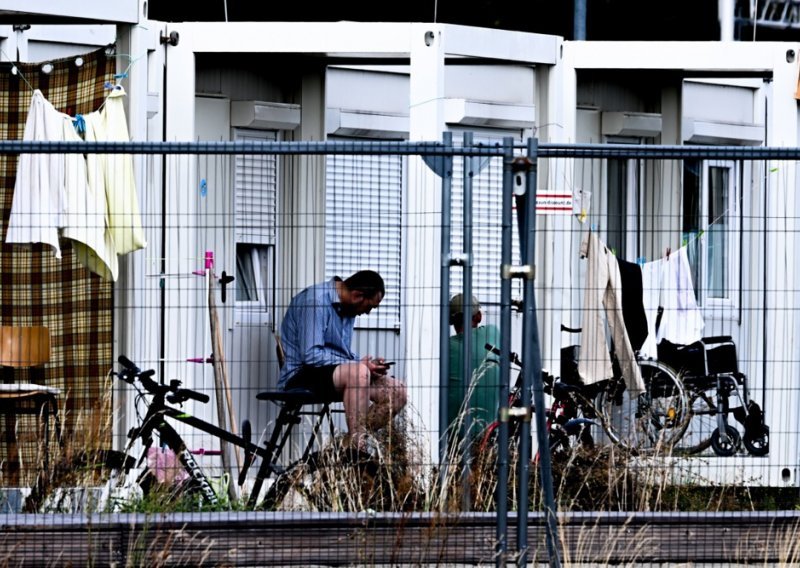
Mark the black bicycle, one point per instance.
(111, 469)
(569, 417)
(647, 422)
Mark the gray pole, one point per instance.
(532, 375)
(501, 494)
(579, 21)
(446, 172)
(466, 378)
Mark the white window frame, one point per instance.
(724, 306)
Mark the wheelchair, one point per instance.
(717, 390)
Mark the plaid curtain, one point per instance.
(38, 289)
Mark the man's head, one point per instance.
(457, 311)
(365, 290)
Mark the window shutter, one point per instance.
(363, 226)
(487, 226)
(256, 182)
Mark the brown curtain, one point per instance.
(38, 289)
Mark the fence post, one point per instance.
(501, 494)
(443, 167)
(525, 194)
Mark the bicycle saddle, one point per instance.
(562, 390)
(296, 395)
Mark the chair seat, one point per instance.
(24, 390)
(297, 396)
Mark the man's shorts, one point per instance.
(318, 380)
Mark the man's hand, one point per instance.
(377, 366)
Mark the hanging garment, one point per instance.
(114, 172)
(670, 303)
(652, 277)
(682, 321)
(85, 222)
(40, 201)
(633, 303)
(603, 300)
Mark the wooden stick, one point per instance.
(221, 385)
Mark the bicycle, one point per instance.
(566, 421)
(195, 485)
(652, 421)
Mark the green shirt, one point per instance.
(483, 403)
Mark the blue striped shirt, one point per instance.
(314, 333)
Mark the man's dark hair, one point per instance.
(368, 282)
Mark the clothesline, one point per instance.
(684, 243)
(79, 61)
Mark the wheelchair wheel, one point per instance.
(757, 443)
(729, 447)
(702, 422)
(653, 421)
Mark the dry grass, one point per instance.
(398, 476)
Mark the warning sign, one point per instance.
(552, 203)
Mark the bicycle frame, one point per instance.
(155, 421)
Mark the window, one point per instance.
(622, 208)
(710, 228)
(363, 226)
(255, 194)
(253, 264)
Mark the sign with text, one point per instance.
(553, 203)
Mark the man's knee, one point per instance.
(352, 375)
(399, 396)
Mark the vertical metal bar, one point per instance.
(162, 307)
(466, 377)
(505, 362)
(532, 378)
(579, 21)
(444, 313)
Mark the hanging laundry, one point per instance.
(682, 321)
(652, 277)
(603, 300)
(114, 173)
(670, 302)
(40, 201)
(85, 222)
(90, 199)
(632, 302)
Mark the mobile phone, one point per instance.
(388, 363)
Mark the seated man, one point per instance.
(317, 331)
(484, 401)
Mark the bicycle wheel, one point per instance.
(333, 479)
(651, 421)
(702, 422)
(66, 486)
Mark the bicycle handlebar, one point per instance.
(183, 394)
(496, 350)
(128, 364)
(177, 396)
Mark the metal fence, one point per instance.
(647, 289)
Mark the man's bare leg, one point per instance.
(353, 381)
(389, 397)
